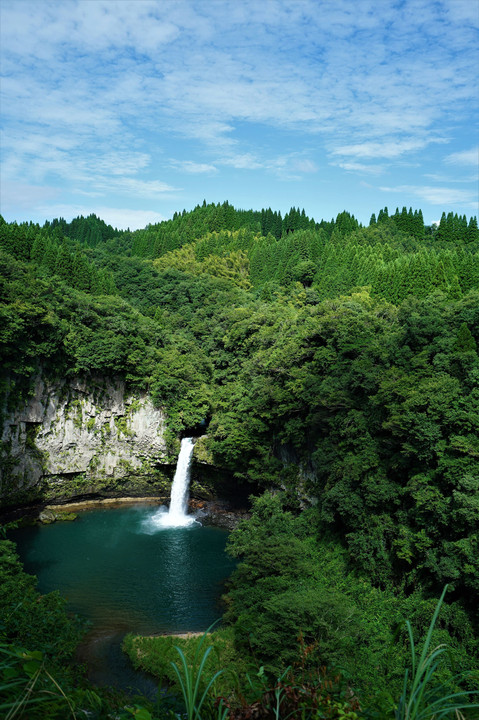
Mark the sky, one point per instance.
(135, 109)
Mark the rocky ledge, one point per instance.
(219, 513)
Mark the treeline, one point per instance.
(387, 260)
(53, 253)
(452, 227)
(396, 256)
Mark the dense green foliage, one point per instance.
(292, 584)
(36, 638)
(334, 361)
(53, 630)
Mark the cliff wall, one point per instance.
(73, 437)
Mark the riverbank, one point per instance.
(217, 513)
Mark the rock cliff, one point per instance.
(74, 437)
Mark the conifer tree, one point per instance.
(7, 241)
(454, 291)
(418, 225)
(472, 233)
(465, 341)
(64, 264)
(441, 228)
(110, 286)
(383, 215)
(49, 260)
(439, 279)
(38, 249)
(81, 273)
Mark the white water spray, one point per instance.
(181, 484)
(177, 516)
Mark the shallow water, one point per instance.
(124, 573)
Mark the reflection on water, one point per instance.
(125, 578)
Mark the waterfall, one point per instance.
(177, 516)
(181, 485)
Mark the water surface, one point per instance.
(124, 573)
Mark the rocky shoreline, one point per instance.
(219, 513)
(216, 513)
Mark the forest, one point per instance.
(337, 368)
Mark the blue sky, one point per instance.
(133, 109)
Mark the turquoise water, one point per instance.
(124, 574)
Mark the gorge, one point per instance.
(84, 438)
(132, 569)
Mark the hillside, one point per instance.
(335, 365)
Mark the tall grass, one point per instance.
(192, 682)
(423, 696)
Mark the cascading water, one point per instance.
(181, 484)
(177, 516)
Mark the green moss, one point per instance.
(78, 419)
(31, 432)
(65, 516)
(134, 405)
(172, 444)
(90, 425)
(122, 426)
(105, 430)
(127, 466)
(202, 492)
(74, 410)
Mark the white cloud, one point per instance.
(291, 166)
(193, 168)
(388, 149)
(24, 196)
(443, 178)
(436, 195)
(241, 74)
(135, 187)
(360, 167)
(304, 165)
(246, 161)
(464, 157)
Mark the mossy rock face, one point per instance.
(64, 488)
(214, 483)
(66, 516)
(81, 435)
(49, 516)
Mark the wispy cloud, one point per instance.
(464, 157)
(461, 179)
(133, 186)
(193, 168)
(387, 149)
(436, 195)
(360, 168)
(245, 161)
